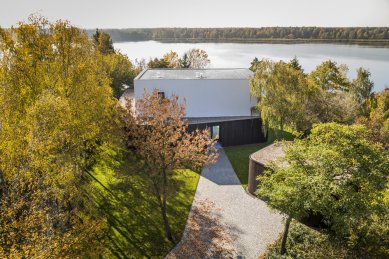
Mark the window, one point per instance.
(215, 132)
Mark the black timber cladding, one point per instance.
(234, 132)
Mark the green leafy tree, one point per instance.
(329, 76)
(158, 63)
(361, 88)
(282, 94)
(57, 118)
(185, 62)
(335, 172)
(254, 64)
(117, 65)
(121, 71)
(331, 100)
(296, 64)
(332, 106)
(103, 42)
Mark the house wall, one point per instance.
(204, 97)
(237, 132)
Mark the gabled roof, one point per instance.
(182, 74)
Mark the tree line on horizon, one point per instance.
(264, 33)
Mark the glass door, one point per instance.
(215, 131)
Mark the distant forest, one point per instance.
(265, 34)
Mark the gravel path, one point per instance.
(224, 220)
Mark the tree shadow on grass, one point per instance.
(135, 224)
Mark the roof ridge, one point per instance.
(216, 68)
(185, 73)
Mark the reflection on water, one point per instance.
(225, 55)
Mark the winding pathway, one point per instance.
(224, 220)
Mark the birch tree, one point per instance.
(198, 58)
(282, 94)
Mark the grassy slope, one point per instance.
(239, 155)
(136, 228)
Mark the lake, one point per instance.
(233, 55)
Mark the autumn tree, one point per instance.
(337, 173)
(139, 66)
(198, 58)
(173, 59)
(193, 58)
(378, 119)
(57, 118)
(158, 135)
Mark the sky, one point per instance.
(200, 13)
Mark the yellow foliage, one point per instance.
(56, 114)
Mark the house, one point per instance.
(218, 99)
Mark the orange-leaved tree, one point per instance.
(158, 135)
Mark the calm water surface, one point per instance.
(227, 55)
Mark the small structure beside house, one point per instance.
(259, 160)
(217, 99)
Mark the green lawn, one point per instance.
(135, 224)
(239, 155)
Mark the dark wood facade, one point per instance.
(235, 132)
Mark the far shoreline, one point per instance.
(367, 43)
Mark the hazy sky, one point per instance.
(200, 13)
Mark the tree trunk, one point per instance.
(168, 231)
(282, 127)
(161, 196)
(285, 235)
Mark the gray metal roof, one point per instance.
(212, 73)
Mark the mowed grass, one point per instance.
(136, 228)
(239, 155)
(239, 158)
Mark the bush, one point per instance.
(304, 242)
